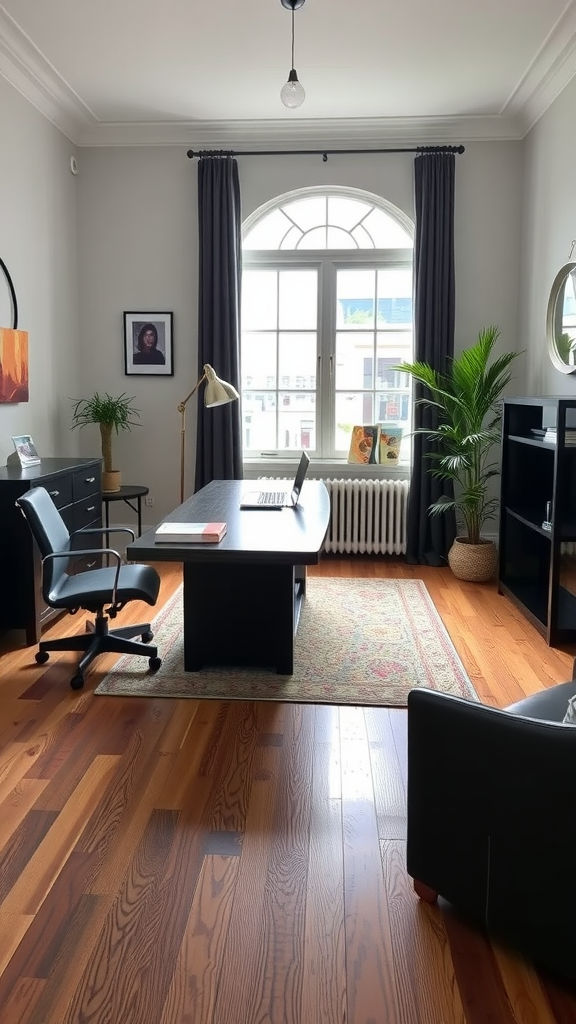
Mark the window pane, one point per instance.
(315, 239)
(292, 238)
(259, 421)
(296, 421)
(268, 232)
(259, 300)
(386, 232)
(258, 360)
(351, 409)
(297, 360)
(362, 238)
(355, 298)
(354, 360)
(395, 297)
(298, 300)
(339, 239)
(346, 212)
(307, 213)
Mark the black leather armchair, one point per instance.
(492, 819)
(91, 590)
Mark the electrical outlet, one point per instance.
(149, 501)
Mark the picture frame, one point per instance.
(26, 450)
(148, 344)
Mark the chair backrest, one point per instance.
(50, 533)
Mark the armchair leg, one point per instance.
(424, 892)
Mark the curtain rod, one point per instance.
(324, 153)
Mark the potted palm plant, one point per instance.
(110, 414)
(467, 399)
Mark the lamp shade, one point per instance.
(217, 392)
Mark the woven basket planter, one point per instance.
(473, 562)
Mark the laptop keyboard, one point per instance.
(272, 498)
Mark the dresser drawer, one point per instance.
(88, 512)
(86, 482)
(59, 488)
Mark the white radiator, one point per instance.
(367, 516)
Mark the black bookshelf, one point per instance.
(537, 565)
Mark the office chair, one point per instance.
(91, 590)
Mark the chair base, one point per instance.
(99, 639)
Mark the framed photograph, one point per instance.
(148, 344)
(26, 450)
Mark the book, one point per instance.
(390, 439)
(194, 533)
(364, 444)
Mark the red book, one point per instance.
(190, 533)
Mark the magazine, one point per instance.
(364, 444)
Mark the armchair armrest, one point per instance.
(91, 551)
(104, 529)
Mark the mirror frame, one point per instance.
(555, 291)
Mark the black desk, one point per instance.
(125, 494)
(242, 596)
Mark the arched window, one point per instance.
(326, 315)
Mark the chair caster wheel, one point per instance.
(42, 657)
(77, 682)
(154, 664)
(147, 637)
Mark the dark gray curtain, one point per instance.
(219, 438)
(430, 538)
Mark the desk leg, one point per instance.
(240, 615)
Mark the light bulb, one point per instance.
(292, 93)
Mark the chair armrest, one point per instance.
(91, 551)
(104, 529)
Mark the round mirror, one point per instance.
(561, 320)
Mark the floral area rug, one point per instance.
(359, 641)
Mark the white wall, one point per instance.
(38, 243)
(549, 218)
(138, 251)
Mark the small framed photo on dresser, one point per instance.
(148, 344)
(26, 451)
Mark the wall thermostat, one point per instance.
(73, 165)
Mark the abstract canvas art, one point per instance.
(13, 365)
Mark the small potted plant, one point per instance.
(110, 414)
(467, 399)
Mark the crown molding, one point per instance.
(22, 64)
(28, 71)
(345, 133)
(548, 75)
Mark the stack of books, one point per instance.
(551, 436)
(190, 533)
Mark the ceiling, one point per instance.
(131, 72)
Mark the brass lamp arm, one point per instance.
(182, 411)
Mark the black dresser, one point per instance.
(75, 486)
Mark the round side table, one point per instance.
(126, 494)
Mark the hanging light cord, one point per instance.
(292, 65)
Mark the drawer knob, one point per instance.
(53, 494)
(91, 564)
(91, 509)
(89, 479)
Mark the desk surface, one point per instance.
(291, 536)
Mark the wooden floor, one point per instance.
(198, 862)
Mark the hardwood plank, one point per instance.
(423, 967)
(15, 807)
(482, 990)
(525, 993)
(28, 893)
(324, 981)
(370, 985)
(387, 773)
(192, 993)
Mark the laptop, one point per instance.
(273, 497)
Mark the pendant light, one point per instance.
(292, 94)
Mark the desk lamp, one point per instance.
(217, 392)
